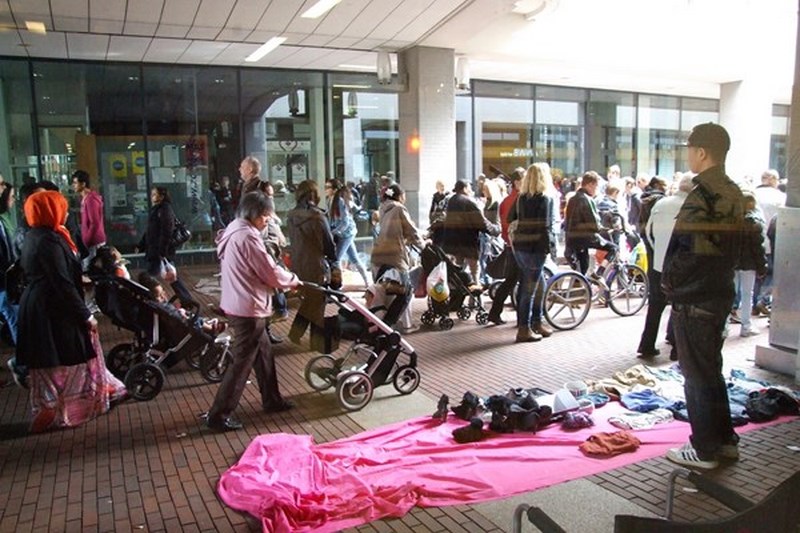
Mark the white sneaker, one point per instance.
(749, 332)
(686, 455)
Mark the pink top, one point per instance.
(93, 231)
(249, 273)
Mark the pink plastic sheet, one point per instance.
(292, 484)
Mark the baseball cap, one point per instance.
(710, 136)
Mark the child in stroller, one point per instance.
(162, 337)
(373, 358)
(460, 285)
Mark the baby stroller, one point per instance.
(462, 300)
(162, 337)
(371, 361)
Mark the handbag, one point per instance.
(180, 234)
(498, 266)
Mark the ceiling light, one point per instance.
(319, 9)
(36, 27)
(265, 48)
(357, 67)
(344, 86)
(530, 9)
(383, 67)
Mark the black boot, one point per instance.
(468, 408)
(469, 433)
(441, 409)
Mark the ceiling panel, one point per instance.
(316, 40)
(368, 19)
(68, 24)
(27, 8)
(177, 31)
(203, 33)
(234, 54)
(9, 44)
(340, 17)
(122, 48)
(166, 50)
(302, 57)
(143, 11)
(234, 35)
(278, 15)
(140, 28)
(53, 44)
(372, 44)
(70, 15)
(436, 11)
(274, 57)
(106, 26)
(202, 52)
(179, 12)
(246, 14)
(402, 16)
(213, 13)
(85, 46)
(107, 14)
(347, 57)
(344, 42)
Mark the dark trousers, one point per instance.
(250, 349)
(698, 338)
(656, 302)
(505, 288)
(311, 312)
(578, 254)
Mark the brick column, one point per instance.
(427, 110)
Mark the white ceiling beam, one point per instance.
(53, 44)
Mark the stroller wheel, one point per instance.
(406, 379)
(321, 372)
(446, 323)
(144, 381)
(214, 362)
(120, 359)
(193, 359)
(428, 318)
(464, 313)
(354, 390)
(482, 318)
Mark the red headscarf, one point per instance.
(49, 209)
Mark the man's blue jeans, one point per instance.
(529, 310)
(10, 313)
(698, 330)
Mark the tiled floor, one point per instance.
(151, 466)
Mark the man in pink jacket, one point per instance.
(93, 231)
(249, 278)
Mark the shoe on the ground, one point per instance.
(473, 432)
(734, 317)
(599, 279)
(542, 329)
(441, 409)
(496, 319)
(281, 406)
(227, 424)
(648, 352)
(275, 339)
(749, 332)
(728, 452)
(526, 335)
(761, 309)
(686, 455)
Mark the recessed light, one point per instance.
(133, 78)
(219, 80)
(357, 67)
(36, 27)
(265, 48)
(319, 9)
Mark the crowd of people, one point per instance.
(709, 245)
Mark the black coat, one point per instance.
(583, 222)
(52, 315)
(156, 243)
(463, 222)
(535, 226)
(313, 249)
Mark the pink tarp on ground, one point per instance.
(292, 484)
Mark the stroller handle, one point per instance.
(339, 295)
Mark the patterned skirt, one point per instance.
(68, 396)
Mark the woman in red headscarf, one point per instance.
(57, 336)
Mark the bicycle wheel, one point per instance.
(628, 288)
(567, 300)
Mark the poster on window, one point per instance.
(138, 163)
(119, 165)
(117, 192)
(277, 172)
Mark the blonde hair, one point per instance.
(492, 192)
(535, 179)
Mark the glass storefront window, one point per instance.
(18, 150)
(505, 127)
(465, 160)
(779, 140)
(658, 135)
(559, 129)
(611, 120)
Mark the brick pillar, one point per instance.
(427, 110)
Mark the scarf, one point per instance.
(49, 209)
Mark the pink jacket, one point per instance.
(93, 231)
(249, 274)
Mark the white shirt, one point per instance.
(660, 225)
(769, 199)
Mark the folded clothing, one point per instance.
(605, 444)
(635, 420)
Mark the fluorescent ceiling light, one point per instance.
(358, 67)
(342, 86)
(319, 9)
(265, 48)
(35, 27)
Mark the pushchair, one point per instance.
(162, 338)
(462, 300)
(376, 356)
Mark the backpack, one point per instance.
(180, 234)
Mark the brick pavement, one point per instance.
(152, 467)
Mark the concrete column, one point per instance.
(745, 110)
(426, 110)
(782, 353)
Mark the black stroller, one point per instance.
(162, 337)
(371, 361)
(462, 300)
